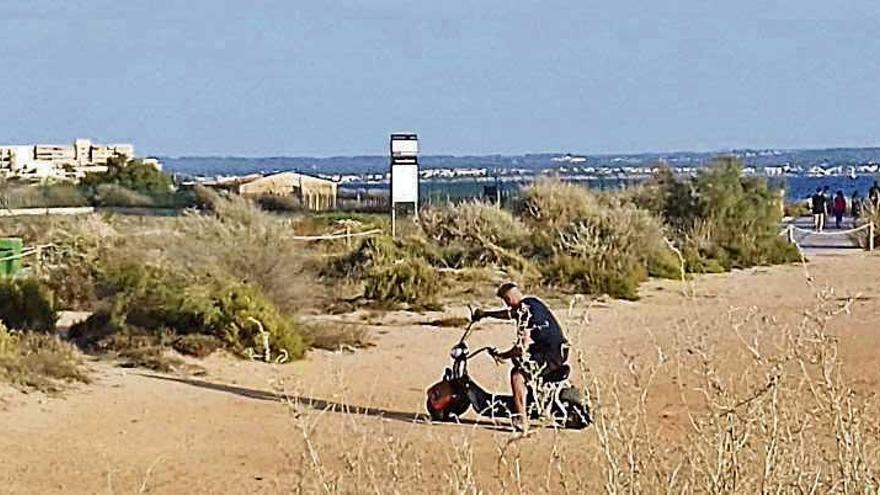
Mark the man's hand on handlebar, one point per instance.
(496, 355)
(477, 315)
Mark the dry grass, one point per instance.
(337, 336)
(776, 415)
(870, 213)
(249, 244)
(38, 361)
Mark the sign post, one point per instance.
(404, 149)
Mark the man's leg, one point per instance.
(518, 387)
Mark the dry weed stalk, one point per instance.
(777, 417)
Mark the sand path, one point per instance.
(134, 431)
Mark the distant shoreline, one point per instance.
(832, 161)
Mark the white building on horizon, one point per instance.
(61, 161)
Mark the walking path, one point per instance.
(831, 240)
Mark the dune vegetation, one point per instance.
(565, 237)
(227, 274)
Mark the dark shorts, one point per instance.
(547, 366)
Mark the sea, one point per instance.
(798, 188)
(508, 173)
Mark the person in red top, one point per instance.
(839, 208)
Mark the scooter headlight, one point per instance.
(457, 352)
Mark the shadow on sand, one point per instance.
(324, 405)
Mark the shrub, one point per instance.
(38, 361)
(133, 175)
(411, 281)
(336, 335)
(239, 239)
(594, 243)
(27, 304)
(723, 218)
(80, 246)
(476, 234)
(552, 203)
(158, 299)
(390, 272)
(597, 255)
(117, 195)
(18, 195)
(797, 209)
(870, 214)
(473, 224)
(275, 202)
(196, 345)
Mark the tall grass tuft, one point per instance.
(391, 272)
(38, 361)
(476, 234)
(27, 304)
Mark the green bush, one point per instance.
(133, 175)
(248, 244)
(392, 272)
(552, 203)
(599, 254)
(27, 304)
(870, 214)
(594, 243)
(724, 219)
(476, 234)
(117, 195)
(25, 195)
(592, 276)
(275, 202)
(158, 299)
(797, 209)
(409, 280)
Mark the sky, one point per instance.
(328, 78)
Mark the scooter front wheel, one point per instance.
(446, 401)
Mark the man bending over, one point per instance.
(541, 350)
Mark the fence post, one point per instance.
(871, 236)
(790, 234)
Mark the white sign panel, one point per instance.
(404, 147)
(404, 183)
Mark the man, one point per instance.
(541, 350)
(817, 206)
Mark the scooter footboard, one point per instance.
(490, 405)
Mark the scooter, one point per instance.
(556, 398)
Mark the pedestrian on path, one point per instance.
(817, 206)
(839, 208)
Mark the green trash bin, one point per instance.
(10, 256)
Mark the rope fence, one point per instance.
(790, 230)
(335, 235)
(25, 253)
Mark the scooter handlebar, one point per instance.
(478, 351)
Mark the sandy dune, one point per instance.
(227, 431)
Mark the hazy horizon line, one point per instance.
(541, 153)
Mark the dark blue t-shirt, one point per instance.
(546, 334)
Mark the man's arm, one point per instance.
(513, 352)
(500, 314)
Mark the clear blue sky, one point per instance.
(296, 77)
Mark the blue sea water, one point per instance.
(797, 188)
(802, 187)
